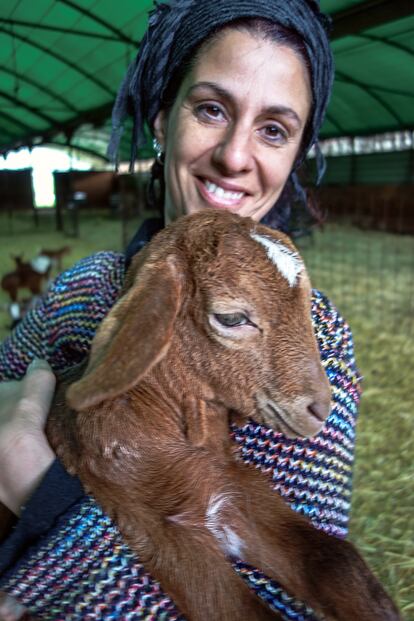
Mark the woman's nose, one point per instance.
(233, 153)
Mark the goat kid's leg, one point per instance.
(345, 582)
(143, 495)
(200, 580)
(170, 534)
(327, 573)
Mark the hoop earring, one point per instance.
(159, 153)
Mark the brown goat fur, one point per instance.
(147, 426)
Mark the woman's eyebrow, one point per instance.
(275, 110)
(280, 110)
(222, 92)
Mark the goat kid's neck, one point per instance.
(168, 398)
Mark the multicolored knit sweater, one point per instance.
(81, 569)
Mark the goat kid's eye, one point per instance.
(232, 320)
(210, 112)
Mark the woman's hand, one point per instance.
(25, 454)
(10, 609)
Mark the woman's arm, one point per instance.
(60, 330)
(62, 325)
(65, 557)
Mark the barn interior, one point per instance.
(60, 66)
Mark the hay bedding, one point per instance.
(370, 276)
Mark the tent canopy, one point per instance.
(61, 62)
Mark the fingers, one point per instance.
(37, 393)
(10, 609)
(25, 454)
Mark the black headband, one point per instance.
(178, 28)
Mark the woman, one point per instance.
(235, 93)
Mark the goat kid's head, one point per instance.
(226, 303)
(18, 259)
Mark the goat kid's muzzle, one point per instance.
(296, 417)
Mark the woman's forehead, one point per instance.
(251, 71)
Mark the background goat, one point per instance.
(214, 327)
(26, 276)
(56, 255)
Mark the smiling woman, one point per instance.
(235, 91)
(230, 140)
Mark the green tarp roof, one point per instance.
(61, 62)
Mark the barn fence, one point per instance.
(363, 256)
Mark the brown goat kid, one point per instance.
(23, 277)
(56, 255)
(214, 326)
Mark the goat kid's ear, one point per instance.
(133, 337)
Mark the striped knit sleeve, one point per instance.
(61, 326)
(81, 570)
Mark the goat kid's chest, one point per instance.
(121, 438)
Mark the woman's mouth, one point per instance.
(218, 195)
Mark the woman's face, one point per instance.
(234, 131)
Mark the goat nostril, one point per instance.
(319, 410)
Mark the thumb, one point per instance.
(38, 387)
(10, 609)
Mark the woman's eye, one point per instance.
(210, 112)
(274, 134)
(232, 320)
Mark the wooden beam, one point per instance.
(367, 15)
(55, 28)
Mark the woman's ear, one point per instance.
(160, 127)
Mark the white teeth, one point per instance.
(221, 193)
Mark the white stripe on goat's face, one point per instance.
(287, 262)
